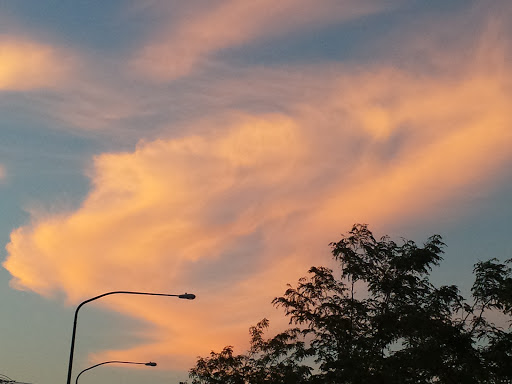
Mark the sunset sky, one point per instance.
(217, 147)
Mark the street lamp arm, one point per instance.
(150, 364)
(187, 296)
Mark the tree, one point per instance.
(378, 319)
(267, 361)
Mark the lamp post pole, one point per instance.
(150, 364)
(188, 296)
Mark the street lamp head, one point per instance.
(151, 364)
(188, 296)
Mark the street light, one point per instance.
(187, 296)
(150, 364)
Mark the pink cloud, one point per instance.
(28, 65)
(242, 203)
(179, 47)
(236, 212)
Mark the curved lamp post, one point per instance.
(187, 296)
(150, 364)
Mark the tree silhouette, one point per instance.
(268, 361)
(378, 319)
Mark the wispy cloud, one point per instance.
(235, 205)
(179, 47)
(29, 65)
(222, 209)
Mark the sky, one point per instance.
(217, 147)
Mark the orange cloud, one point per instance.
(180, 47)
(2, 172)
(237, 209)
(178, 184)
(27, 65)
(185, 195)
(236, 213)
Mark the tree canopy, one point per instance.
(379, 319)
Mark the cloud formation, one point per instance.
(235, 205)
(179, 46)
(28, 65)
(236, 210)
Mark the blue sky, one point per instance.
(217, 147)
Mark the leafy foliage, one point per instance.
(400, 329)
(267, 361)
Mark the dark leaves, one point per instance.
(378, 319)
